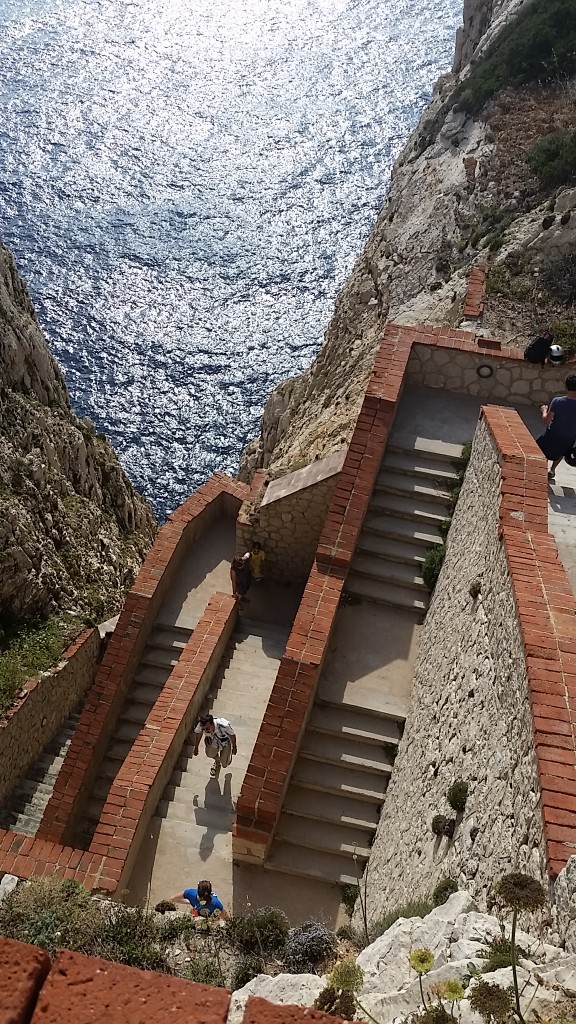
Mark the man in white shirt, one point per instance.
(219, 741)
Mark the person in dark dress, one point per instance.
(240, 575)
(559, 438)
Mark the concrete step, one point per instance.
(126, 730)
(408, 531)
(179, 632)
(135, 713)
(426, 447)
(420, 466)
(327, 807)
(342, 722)
(108, 769)
(396, 710)
(332, 778)
(143, 693)
(162, 656)
(118, 748)
(327, 867)
(396, 573)
(410, 486)
(408, 507)
(171, 639)
(322, 835)
(156, 675)
(385, 593)
(350, 753)
(391, 550)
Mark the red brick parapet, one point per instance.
(546, 609)
(148, 765)
(78, 989)
(124, 650)
(475, 292)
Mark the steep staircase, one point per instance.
(409, 503)
(25, 807)
(240, 694)
(332, 807)
(160, 655)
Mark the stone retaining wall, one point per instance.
(37, 716)
(483, 660)
(289, 519)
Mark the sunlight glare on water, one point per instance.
(186, 186)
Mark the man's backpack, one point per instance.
(538, 349)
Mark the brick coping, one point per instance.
(47, 853)
(78, 989)
(546, 608)
(260, 801)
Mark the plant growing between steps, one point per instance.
(434, 558)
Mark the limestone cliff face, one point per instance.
(72, 530)
(414, 267)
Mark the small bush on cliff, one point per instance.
(432, 565)
(247, 968)
(438, 823)
(418, 908)
(538, 45)
(206, 971)
(457, 795)
(28, 647)
(261, 931)
(499, 954)
(443, 891)
(553, 159)
(557, 277)
(308, 946)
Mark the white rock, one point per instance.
(284, 989)
(7, 885)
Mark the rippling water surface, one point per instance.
(186, 185)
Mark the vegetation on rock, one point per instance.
(537, 46)
(30, 646)
(553, 158)
(457, 795)
(443, 891)
(308, 946)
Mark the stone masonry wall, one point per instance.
(470, 719)
(512, 379)
(35, 719)
(277, 525)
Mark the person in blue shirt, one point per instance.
(204, 904)
(559, 438)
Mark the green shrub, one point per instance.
(29, 646)
(499, 954)
(443, 891)
(558, 279)
(438, 823)
(347, 976)
(261, 931)
(457, 795)
(337, 1004)
(418, 908)
(444, 527)
(247, 967)
(492, 1002)
(308, 946)
(538, 45)
(565, 334)
(206, 971)
(432, 565)
(553, 159)
(349, 895)
(177, 929)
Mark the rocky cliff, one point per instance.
(461, 193)
(72, 530)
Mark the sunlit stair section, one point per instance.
(161, 654)
(332, 806)
(410, 502)
(24, 809)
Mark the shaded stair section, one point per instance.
(160, 655)
(410, 502)
(332, 806)
(25, 807)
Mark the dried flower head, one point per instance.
(452, 990)
(421, 960)
(492, 1002)
(520, 892)
(346, 976)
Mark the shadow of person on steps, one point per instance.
(217, 815)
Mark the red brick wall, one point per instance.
(78, 989)
(474, 299)
(546, 609)
(101, 868)
(292, 697)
